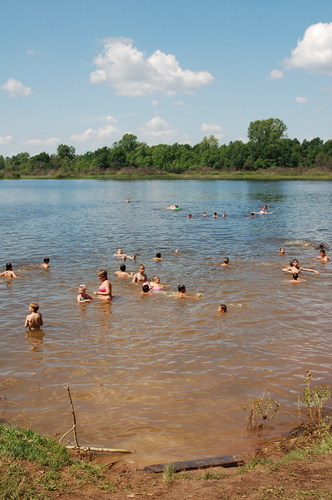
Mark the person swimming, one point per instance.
(294, 267)
(9, 273)
(182, 293)
(123, 273)
(222, 308)
(119, 253)
(158, 256)
(225, 263)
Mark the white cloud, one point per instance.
(130, 73)
(157, 131)
(51, 141)
(213, 129)
(178, 103)
(30, 52)
(6, 139)
(301, 100)
(154, 102)
(276, 74)
(314, 51)
(16, 88)
(94, 135)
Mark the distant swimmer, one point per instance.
(281, 251)
(127, 201)
(224, 214)
(215, 215)
(182, 293)
(105, 289)
(140, 276)
(204, 214)
(146, 289)
(34, 320)
(263, 210)
(173, 207)
(322, 256)
(189, 216)
(46, 264)
(119, 253)
(155, 285)
(157, 257)
(225, 263)
(123, 273)
(294, 267)
(82, 295)
(9, 273)
(222, 308)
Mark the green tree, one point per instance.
(66, 152)
(267, 131)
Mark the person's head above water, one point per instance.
(158, 255)
(46, 260)
(102, 274)
(226, 260)
(145, 288)
(9, 266)
(222, 308)
(123, 267)
(182, 289)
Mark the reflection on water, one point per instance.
(163, 376)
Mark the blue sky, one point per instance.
(85, 72)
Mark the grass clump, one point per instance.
(25, 444)
(169, 473)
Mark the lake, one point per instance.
(166, 377)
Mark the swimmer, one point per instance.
(158, 256)
(105, 289)
(124, 256)
(204, 214)
(222, 308)
(294, 267)
(9, 273)
(146, 290)
(181, 293)
(281, 251)
(224, 214)
(252, 215)
(140, 276)
(82, 295)
(263, 210)
(322, 245)
(295, 278)
(34, 320)
(172, 207)
(215, 215)
(189, 216)
(123, 273)
(155, 285)
(46, 265)
(177, 251)
(128, 201)
(225, 263)
(323, 257)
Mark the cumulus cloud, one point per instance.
(51, 141)
(301, 100)
(130, 73)
(276, 74)
(213, 129)
(313, 52)
(5, 139)
(94, 135)
(16, 88)
(157, 131)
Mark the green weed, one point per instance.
(169, 473)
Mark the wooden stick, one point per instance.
(95, 448)
(74, 417)
(204, 463)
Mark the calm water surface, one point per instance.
(165, 377)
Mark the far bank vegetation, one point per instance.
(268, 151)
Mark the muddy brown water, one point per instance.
(165, 377)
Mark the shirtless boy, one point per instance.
(33, 320)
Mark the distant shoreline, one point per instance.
(137, 174)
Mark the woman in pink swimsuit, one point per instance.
(105, 289)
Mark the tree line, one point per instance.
(268, 147)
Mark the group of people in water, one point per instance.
(215, 215)
(34, 319)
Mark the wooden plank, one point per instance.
(202, 463)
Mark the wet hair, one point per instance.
(34, 306)
(181, 288)
(102, 273)
(145, 288)
(295, 276)
(46, 260)
(223, 307)
(123, 267)
(322, 251)
(158, 255)
(322, 245)
(9, 266)
(292, 262)
(226, 260)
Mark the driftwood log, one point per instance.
(201, 463)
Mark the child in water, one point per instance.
(33, 320)
(46, 265)
(222, 308)
(9, 273)
(82, 295)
